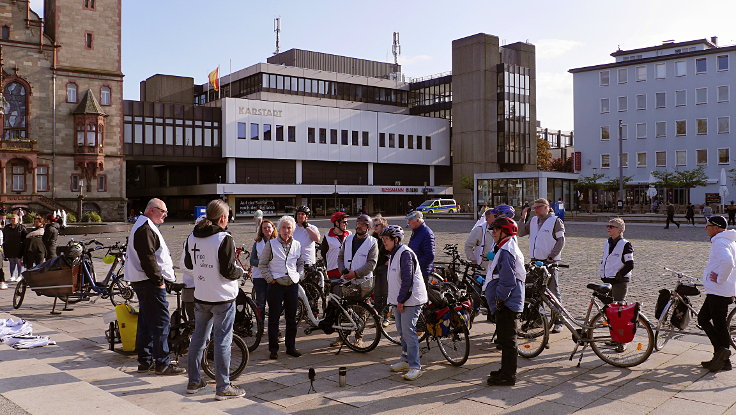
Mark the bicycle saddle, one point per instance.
(176, 286)
(600, 288)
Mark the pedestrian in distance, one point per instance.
(671, 216)
(504, 292)
(34, 249)
(422, 242)
(266, 232)
(560, 209)
(3, 284)
(618, 260)
(707, 212)
(407, 293)
(257, 218)
(690, 214)
(14, 235)
(719, 282)
(3, 217)
(148, 266)
(731, 209)
(209, 259)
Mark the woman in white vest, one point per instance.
(332, 241)
(504, 292)
(618, 260)
(407, 293)
(266, 232)
(282, 265)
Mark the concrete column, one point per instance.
(431, 176)
(543, 187)
(4, 187)
(298, 172)
(34, 179)
(230, 175)
(370, 174)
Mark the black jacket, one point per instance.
(50, 235)
(14, 241)
(35, 250)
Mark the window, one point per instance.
(641, 73)
(624, 161)
(428, 143)
(660, 99)
(410, 141)
(624, 131)
(641, 159)
(382, 140)
(701, 96)
(16, 111)
(700, 65)
(660, 159)
(355, 138)
(680, 98)
(74, 183)
(605, 105)
(89, 4)
(323, 136)
(19, 178)
(681, 157)
(623, 75)
(623, 103)
(88, 40)
(723, 63)
(701, 157)
(660, 70)
(641, 130)
(604, 77)
(279, 132)
(266, 132)
(401, 140)
(702, 124)
(723, 93)
(641, 102)
(292, 134)
(391, 140)
(724, 125)
(724, 156)
(661, 129)
(605, 133)
(310, 135)
(333, 136)
(105, 95)
(419, 142)
(366, 141)
(680, 68)
(605, 161)
(681, 127)
(254, 131)
(344, 137)
(6, 32)
(102, 183)
(71, 92)
(241, 130)
(42, 179)
(92, 135)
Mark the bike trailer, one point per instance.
(127, 325)
(622, 320)
(53, 278)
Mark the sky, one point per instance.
(191, 38)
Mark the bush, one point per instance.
(91, 217)
(71, 217)
(29, 216)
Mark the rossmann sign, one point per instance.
(407, 190)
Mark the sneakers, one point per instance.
(412, 374)
(196, 387)
(170, 370)
(145, 367)
(385, 322)
(359, 343)
(229, 392)
(556, 328)
(3, 286)
(400, 367)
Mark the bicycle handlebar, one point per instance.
(681, 275)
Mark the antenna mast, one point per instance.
(396, 50)
(277, 30)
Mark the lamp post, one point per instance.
(81, 200)
(335, 195)
(621, 165)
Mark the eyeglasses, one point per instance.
(343, 221)
(164, 211)
(611, 226)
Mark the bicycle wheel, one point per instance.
(120, 291)
(533, 333)
(456, 345)
(247, 324)
(621, 355)
(19, 294)
(364, 335)
(389, 327)
(422, 331)
(732, 327)
(664, 330)
(238, 358)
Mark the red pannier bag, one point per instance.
(622, 320)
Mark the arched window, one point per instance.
(80, 135)
(15, 111)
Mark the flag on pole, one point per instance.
(214, 79)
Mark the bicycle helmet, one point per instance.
(305, 209)
(393, 231)
(507, 225)
(338, 216)
(74, 250)
(503, 211)
(363, 218)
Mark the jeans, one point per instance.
(217, 319)
(286, 298)
(507, 324)
(406, 325)
(712, 318)
(380, 290)
(261, 295)
(152, 337)
(15, 263)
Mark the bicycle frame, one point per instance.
(331, 297)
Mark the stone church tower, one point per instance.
(62, 124)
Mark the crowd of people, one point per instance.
(23, 246)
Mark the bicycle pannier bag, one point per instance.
(687, 290)
(622, 320)
(664, 297)
(439, 326)
(681, 314)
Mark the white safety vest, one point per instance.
(611, 263)
(560, 206)
(133, 270)
(254, 271)
(209, 284)
(334, 252)
(480, 250)
(308, 245)
(512, 246)
(361, 256)
(542, 240)
(284, 263)
(418, 291)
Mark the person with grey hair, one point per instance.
(618, 260)
(282, 264)
(422, 242)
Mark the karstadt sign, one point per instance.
(259, 111)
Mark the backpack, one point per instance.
(622, 319)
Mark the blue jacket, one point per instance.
(422, 243)
(507, 289)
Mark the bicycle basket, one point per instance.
(438, 322)
(536, 281)
(687, 289)
(357, 292)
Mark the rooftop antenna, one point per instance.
(396, 49)
(277, 30)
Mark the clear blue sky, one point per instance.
(191, 38)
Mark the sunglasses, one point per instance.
(611, 226)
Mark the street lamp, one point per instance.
(81, 200)
(621, 166)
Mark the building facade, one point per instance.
(674, 108)
(62, 118)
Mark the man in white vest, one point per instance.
(480, 240)
(618, 260)
(147, 265)
(546, 240)
(307, 234)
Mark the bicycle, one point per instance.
(446, 322)
(677, 311)
(593, 330)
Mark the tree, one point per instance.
(682, 179)
(665, 179)
(561, 165)
(612, 184)
(466, 183)
(544, 157)
(590, 183)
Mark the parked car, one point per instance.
(439, 205)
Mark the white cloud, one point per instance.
(554, 48)
(554, 100)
